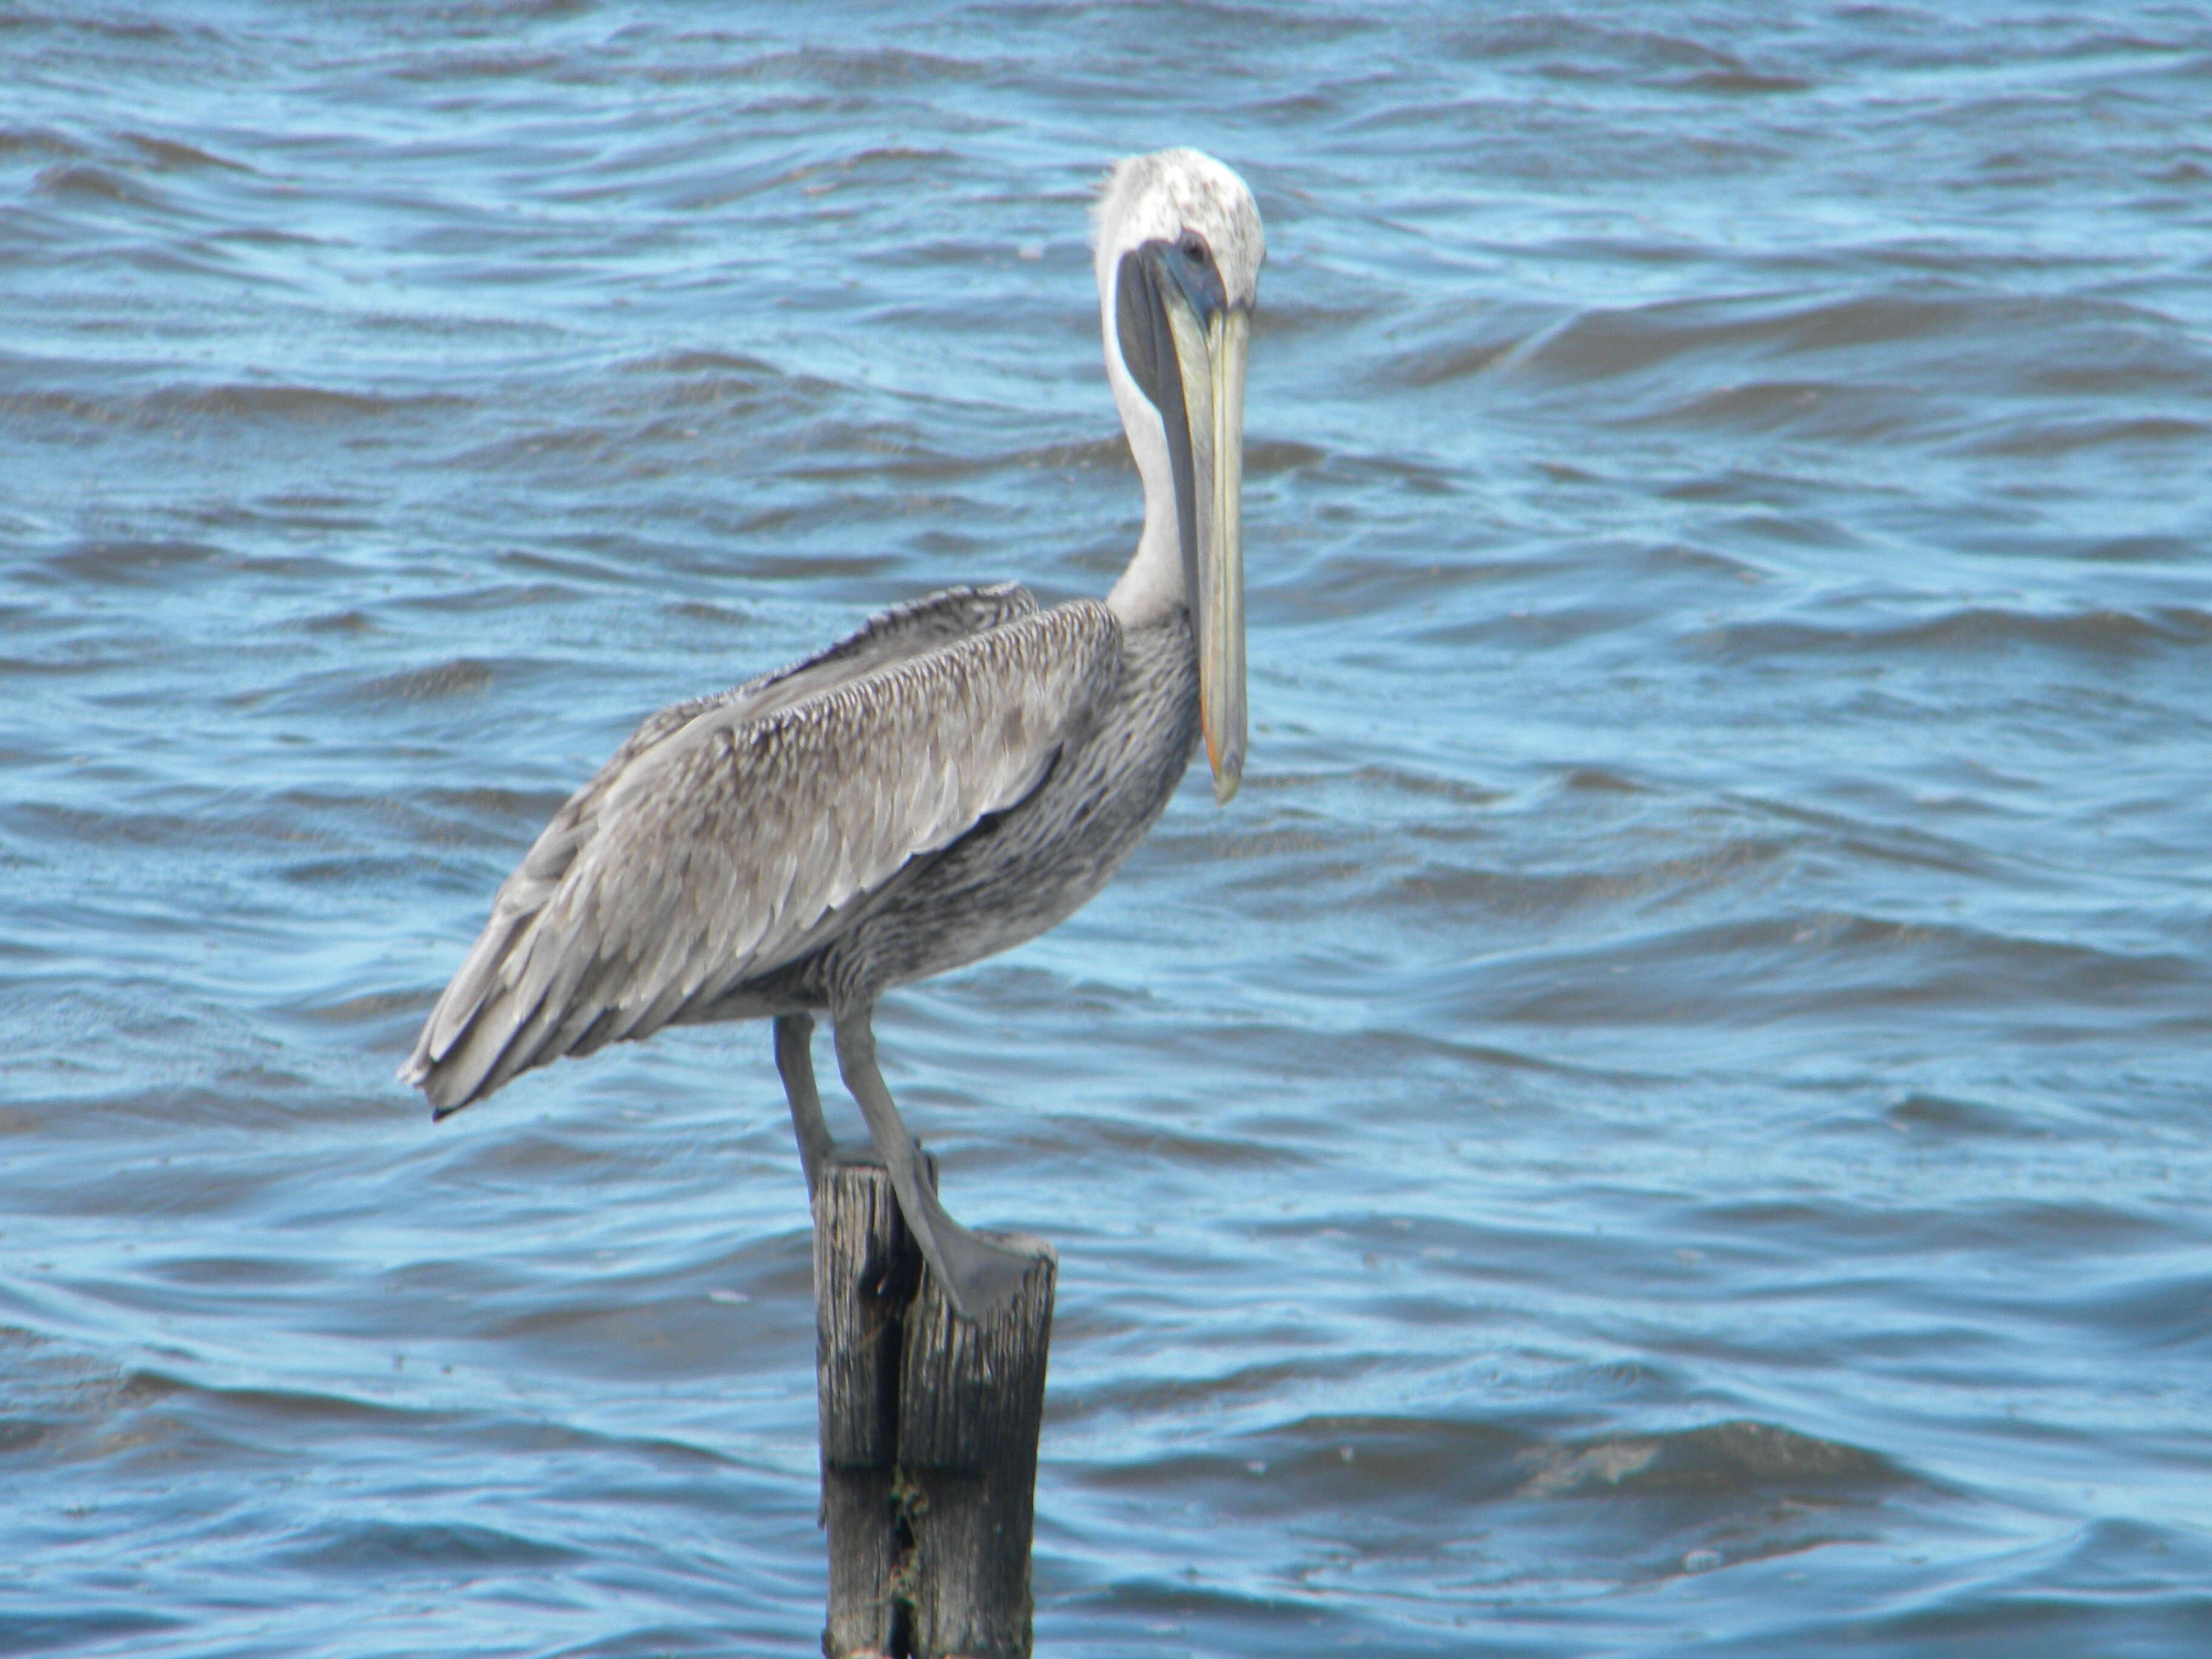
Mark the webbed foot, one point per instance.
(981, 1275)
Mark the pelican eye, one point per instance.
(1194, 247)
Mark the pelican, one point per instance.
(964, 773)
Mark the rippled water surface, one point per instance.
(1671, 1116)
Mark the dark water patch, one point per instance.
(622, 451)
(499, 598)
(89, 181)
(270, 238)
(463, 676)
(376, 872)
(133, 31)
(1906, 840)
(175, 156)
(1460, 1053)
(716, 616)
(131, 562)
(860, 69)
(2131, 357)
(1354, 582)
(2136, 548)
(151, 1190)
(1296, 315)
(897, 453)
(296, 404)
(1792, 531)
(291, 510)
(2042, 1233)
(1442, 363)
(1558, 625)
(34, 407)
(480, 817)
(223, 828)
(1854, 321)
(1745, 973)
(52, 1387)
(237, 1271)
(1604, 345)
(40, 141)
(1264, 459)
(190, 1086)
(1711, 563)
(1976, 630)
(710, 367)
(1725, 1457)
(1739, 83)
(1551, 39)
(1446, 894)
(197, 408)
(1611, 1511)
(791, 567)
(1392, 1461)
(521, 1155)
(348, 623)
(2168, 1312)
(649, 1332)
(465, 67)
(62, 1400)
(1141, 1398)
(2146, 431)
(389, 1548)
(1846, 412)
(1607, 344)
(1459, 792)
(1132, 1145)
(66, 1631)
(1747, 486)
(1945, 1115)
(251, 1409)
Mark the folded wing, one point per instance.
(735, 834)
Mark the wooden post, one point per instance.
(865, 1271)
(929, 1438)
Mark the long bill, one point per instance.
(1210, 355)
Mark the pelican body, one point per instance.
(964, 773)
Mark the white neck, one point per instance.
(1151, 589)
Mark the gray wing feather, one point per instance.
(893, 636)
(735, 834)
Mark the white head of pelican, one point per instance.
(1178, 254)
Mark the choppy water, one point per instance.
(1671, 1117)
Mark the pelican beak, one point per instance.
(1172, 314)
(1210, 350)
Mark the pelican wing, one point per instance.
(733, 835)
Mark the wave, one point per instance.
(1967, 630)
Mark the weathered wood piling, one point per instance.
(929, 1438)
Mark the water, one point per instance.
(1668, 1117)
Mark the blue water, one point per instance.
(1669, 1117)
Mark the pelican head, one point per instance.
(1178, 255)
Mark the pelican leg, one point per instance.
(980, 1277)
(794, 1060)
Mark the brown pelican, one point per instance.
(964, 773)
